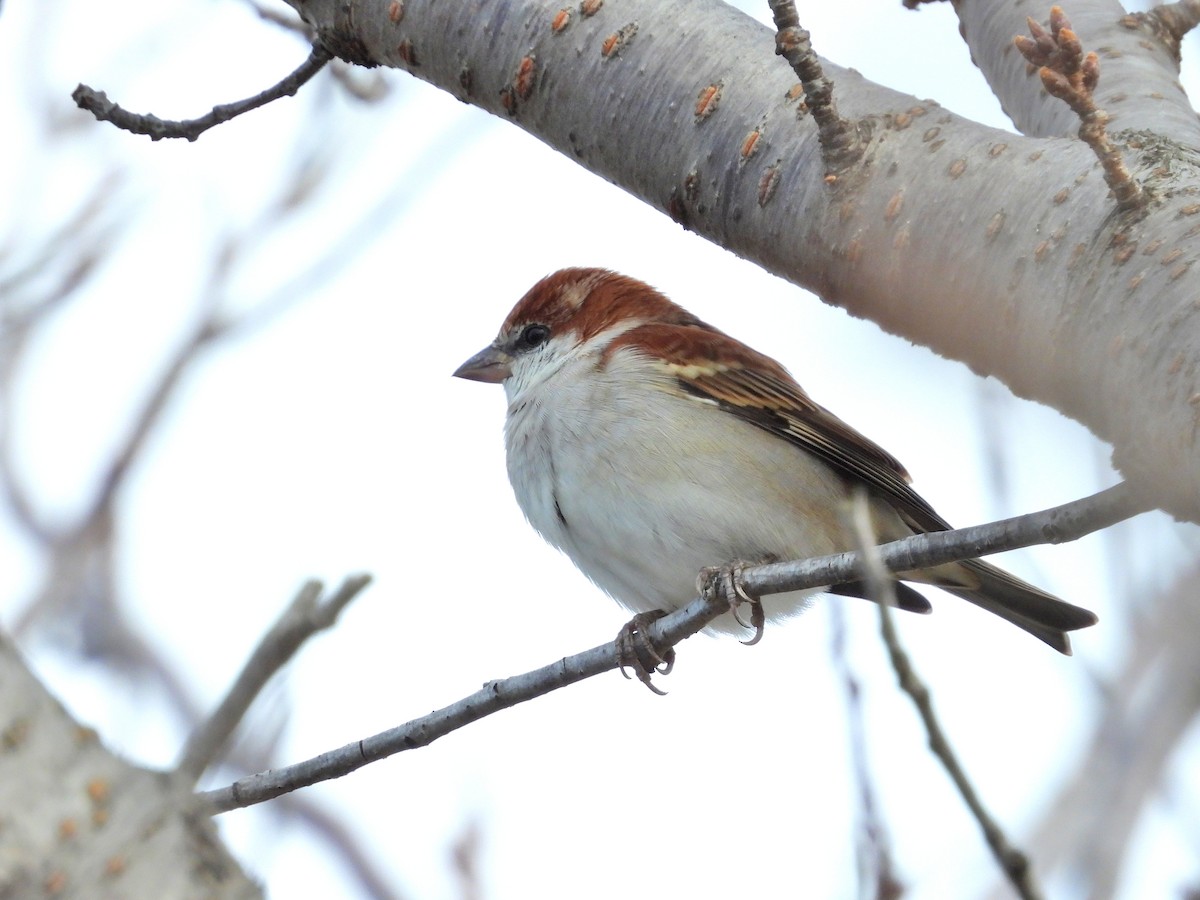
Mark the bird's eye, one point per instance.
(533, 336)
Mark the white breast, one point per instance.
(642, 487)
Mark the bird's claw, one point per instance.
(636, 652)
(726, 582)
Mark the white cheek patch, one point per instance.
(529, 370)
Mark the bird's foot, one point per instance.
(636, 652)
(726, 582)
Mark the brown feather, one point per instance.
(706, 365)
(710, 365)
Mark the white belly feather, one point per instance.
(597, 472)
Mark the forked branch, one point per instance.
(1061, 523)
(305, 616)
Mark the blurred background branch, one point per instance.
(223, 368)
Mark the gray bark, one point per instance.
(1000, 250)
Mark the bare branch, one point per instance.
(303, 618)
(147, 418)
(348, 847)
(492, 697)
(920, 551)
(367, 87)
(1179, 18)
(68, 256)
(1013, 862)
(465, 855)
(1169, 23)
(1151, 701)
(873, 846)
(841, 145)
(98, 104)
(285, 21)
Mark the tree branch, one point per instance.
(841, 145)
(68, 258)
(98, 104)
(746, 175)
(1168, 22)
(1179, 18)
(1013, 862)
(303, 618)
(1150, 705)
(877, 875)
(1056, 525)
(1061, 523)
(1072, 77)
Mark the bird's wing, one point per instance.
(709, 365)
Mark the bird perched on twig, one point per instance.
(648, 446)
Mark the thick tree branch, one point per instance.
(1169, 23)
(1178, 18)
(80, 821)
(1059, 298)
(1062, 523)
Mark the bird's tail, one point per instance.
(1042, 615)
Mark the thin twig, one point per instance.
(880, 584)
(69, 256)
(873, 846)
(98, 104)
(1056, 525)
(920, 551)
(465, 857)
(492, 697)
(303, 618)
(841, 145)
(1012, 861)
(349, 848)
(1072, 77)
(1148, 705)
(286, 21)
(369, 89)
(148, 416)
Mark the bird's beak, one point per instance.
(491, 364)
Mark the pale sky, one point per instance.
(335, 442)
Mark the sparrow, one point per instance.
(649, 446)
